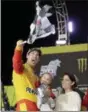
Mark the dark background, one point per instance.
(69, 63)
(16, 17)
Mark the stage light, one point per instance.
(70, 27)
(61, 42)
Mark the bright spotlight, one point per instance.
(70, 27)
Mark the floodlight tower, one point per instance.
(62, 22)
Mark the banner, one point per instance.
(73, 59)
(75, 63)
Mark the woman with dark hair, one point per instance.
(69, 100)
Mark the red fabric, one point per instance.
(52, 94)
(37, 84)
(85, 100)
(31, 106)
(17, 61)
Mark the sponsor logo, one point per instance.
(82, 64)
(29, 90)
(51, 67)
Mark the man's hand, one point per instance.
(20, 43)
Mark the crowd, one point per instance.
(33, 93)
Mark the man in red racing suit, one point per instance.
(24, 79)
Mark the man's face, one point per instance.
(46, 79)
(33, 58)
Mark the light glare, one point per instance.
(70, 27)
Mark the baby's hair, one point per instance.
(48, 74)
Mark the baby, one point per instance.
(45, 92)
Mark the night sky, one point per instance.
(16, 17)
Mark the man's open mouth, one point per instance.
(33, 61)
